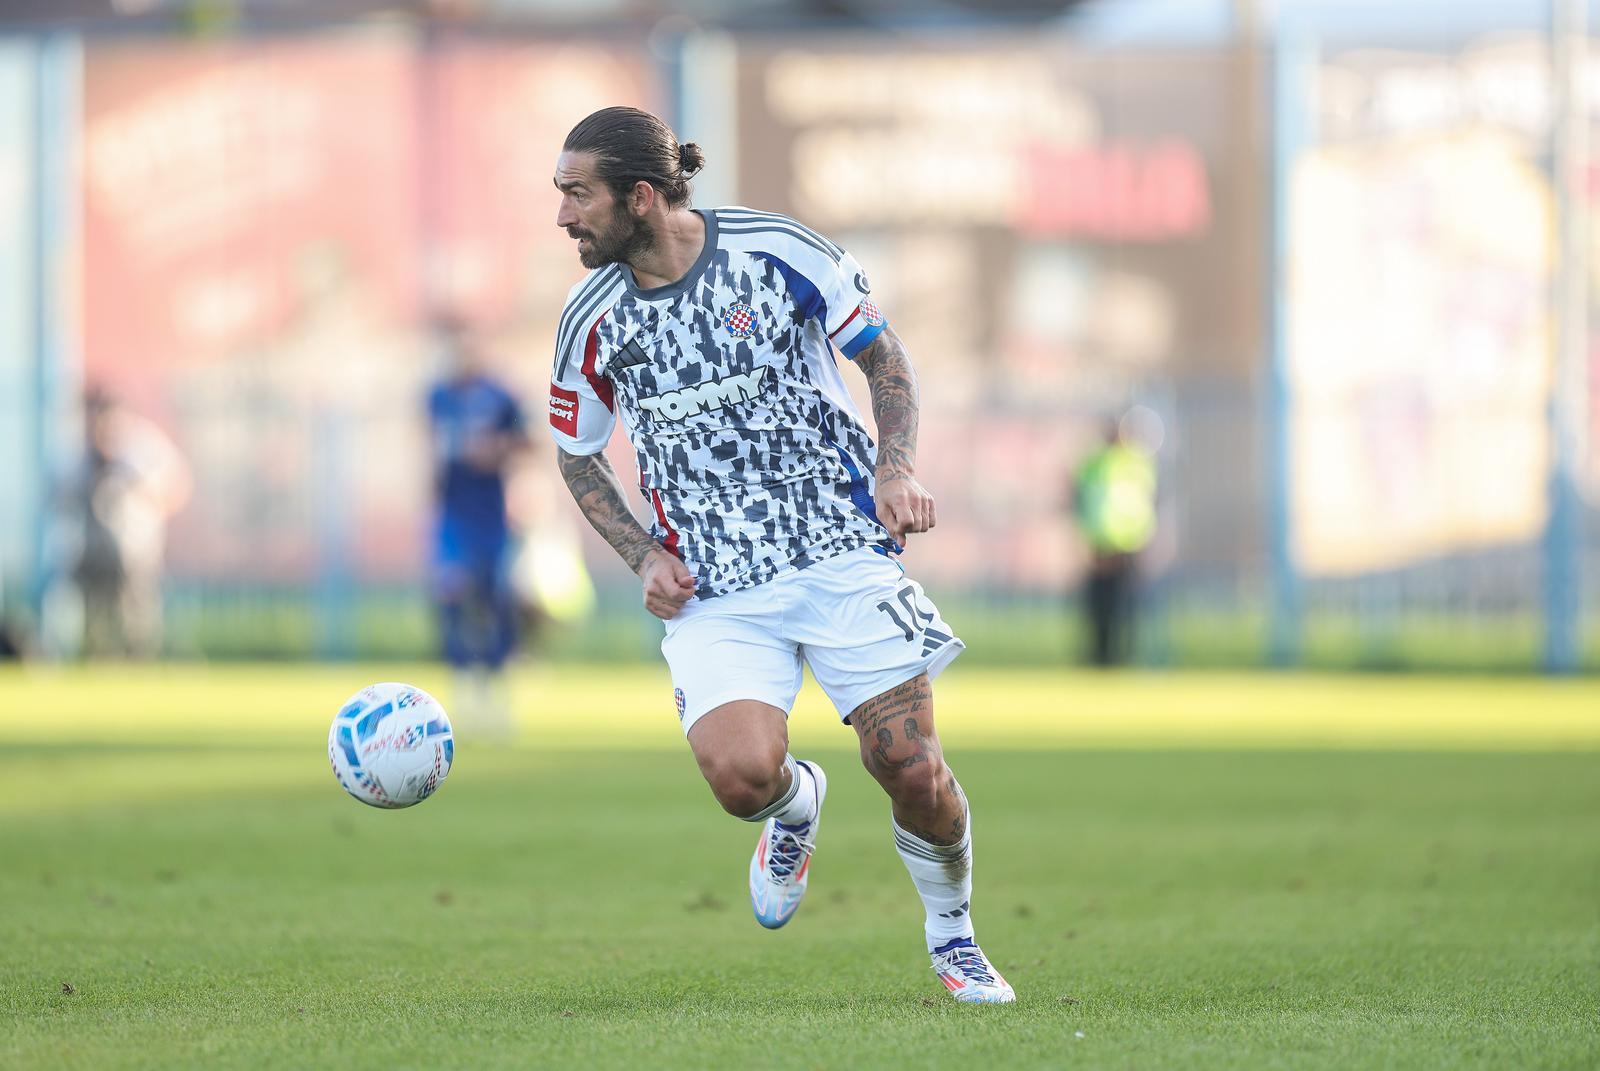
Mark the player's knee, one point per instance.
(915, 781)
(742, 787)
(741, 797)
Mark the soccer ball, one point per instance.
(391, 745)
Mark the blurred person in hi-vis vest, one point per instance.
(1114, 504)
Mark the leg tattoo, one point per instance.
(900, 748)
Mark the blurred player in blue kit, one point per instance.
(477, 431)
(776, 519)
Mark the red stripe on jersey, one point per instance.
(846, 323)
(597, 383)
(672, 533)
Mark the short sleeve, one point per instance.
(852, 320)
(827, 284)
(582, 403)
(581, 418)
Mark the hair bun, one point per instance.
(690, 159)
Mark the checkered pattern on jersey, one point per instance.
(754, 467)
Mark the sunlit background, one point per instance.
(1333, 257)
(1326, 268)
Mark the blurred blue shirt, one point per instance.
(465, 414)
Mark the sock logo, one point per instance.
(958, 912)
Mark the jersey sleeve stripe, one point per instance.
(572, 316)
(578, 312)
(747, 215)
(591, 350)
(599, 278)
(835, 333)
(582, 293)
(795, 232)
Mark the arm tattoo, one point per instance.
(595, 488)
(894, 402)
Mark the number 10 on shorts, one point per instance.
(915, 618)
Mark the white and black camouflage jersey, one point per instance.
(752, 456)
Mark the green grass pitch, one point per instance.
(1181, 871)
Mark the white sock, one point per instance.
(798, 804)
(942, 874)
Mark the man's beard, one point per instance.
(626, 238)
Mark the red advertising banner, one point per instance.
(268, 226)
(1056, 233)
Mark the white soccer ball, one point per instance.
(391, 745)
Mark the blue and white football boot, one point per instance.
(781, 865)
(967, 973)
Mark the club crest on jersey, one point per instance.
(740, 320)
(870, 313)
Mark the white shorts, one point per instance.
(857, 620)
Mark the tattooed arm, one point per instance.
(904, 505)
(594, 486)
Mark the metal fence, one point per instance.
(1270, 248)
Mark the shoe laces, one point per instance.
(968, 962)
(786, 850)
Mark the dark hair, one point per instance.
(630, 145)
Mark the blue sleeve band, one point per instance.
(862, 340)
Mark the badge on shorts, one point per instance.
(677, 697)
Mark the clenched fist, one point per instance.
(667, 584)
(904, 506)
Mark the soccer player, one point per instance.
(776, 519)
(477, 429)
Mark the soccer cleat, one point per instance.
(781, 865)
(967, 973)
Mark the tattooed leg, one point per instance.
(900, 748)
(931, 829)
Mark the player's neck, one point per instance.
(678, 246)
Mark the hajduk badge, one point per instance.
(740, 320)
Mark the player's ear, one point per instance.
(641, 198)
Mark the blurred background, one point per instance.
(1249, 332)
